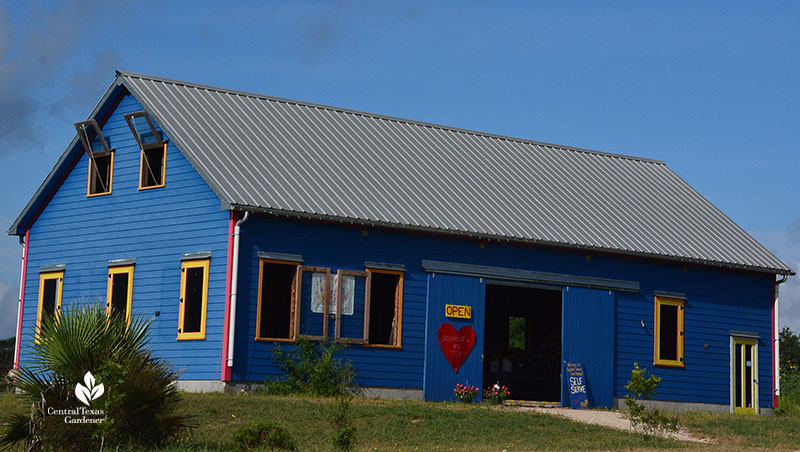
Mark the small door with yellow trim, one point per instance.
(744, 378)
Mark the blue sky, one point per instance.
(712, 88)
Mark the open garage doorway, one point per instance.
(522, 347)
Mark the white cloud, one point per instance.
(8, 308)
(786, 245)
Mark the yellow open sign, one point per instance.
(456, 311)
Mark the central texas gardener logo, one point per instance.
(88, 392)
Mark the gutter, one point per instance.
(21, 303)
(234, 275)
(776, 343)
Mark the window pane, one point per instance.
(516, 333)
(119, 294)
(383, 296)
(668, 339)
(737, 374)
(276, 300)
(193, 300)
(49, 296)
(748, 376)
(100, 174)
(152, 167)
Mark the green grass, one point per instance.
(419, 426)
(746, 432)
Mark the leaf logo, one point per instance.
(89, 392)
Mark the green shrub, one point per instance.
(789, 400)
(263, 435)
(311, 368)
(650, 420)
(138, 395)
(340, 416)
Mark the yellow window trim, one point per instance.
(295, 301)
(199, 335)
(657, 360)
(89, 193)
(116, 271)
(398, 306)
(59, 291)
(163, 170)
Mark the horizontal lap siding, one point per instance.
(718, 300)
(154, 226)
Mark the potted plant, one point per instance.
(465, 393)
(496, 393)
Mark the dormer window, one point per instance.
(101, 158)
(153, 162)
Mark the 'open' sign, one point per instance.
(458, 312)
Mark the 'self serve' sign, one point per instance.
(458, 312)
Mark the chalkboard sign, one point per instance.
(576, 385)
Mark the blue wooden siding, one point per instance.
(588, 338)
(717, 300)
(154, 226)
(440, 379)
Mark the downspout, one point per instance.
(21, 301)
(234, 284)
(776, 343)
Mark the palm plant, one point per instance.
(139, 401)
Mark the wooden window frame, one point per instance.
(367, 287)
(92, 164)
(142, 158)
(294, 321)
(680, 304)
(59, 294)
(130, 118)
(129, 301)
(325, 301)
(398, 306)
(185, 265)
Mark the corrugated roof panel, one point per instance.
(288, 156)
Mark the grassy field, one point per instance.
(419, 426)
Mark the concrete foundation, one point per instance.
(251, 386)
(688, 406)
(390, 393)
(201, 385)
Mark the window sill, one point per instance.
(663, 363)
(94, 195)
(152, 187)
(273, 339)
(395, 347)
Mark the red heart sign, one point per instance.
(456, 345)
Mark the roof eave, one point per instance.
(426, 229)
(51, 182)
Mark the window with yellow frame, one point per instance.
(385, 324)
(669, 335)
(119, 295)
(153, 161)
(101, 158)
(101, 174)
(51, 285)
(194, 300)
(153, 167)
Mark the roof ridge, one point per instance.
(391, 118)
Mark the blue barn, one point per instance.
(237, 221)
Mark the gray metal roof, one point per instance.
(287, 157)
